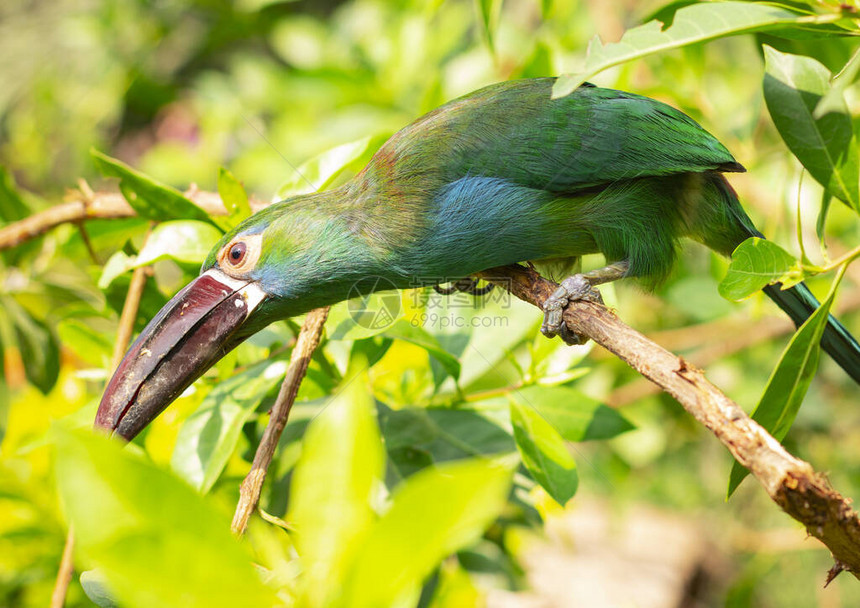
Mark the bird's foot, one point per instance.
(572, 289)
(466, 285)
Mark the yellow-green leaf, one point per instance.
(789, 381)
(755, 263)
(187, 241)
(148, 197)
(342, 460)
(320, 171)
(794, 86)
(692, 24)
(235, 200)
(154, 540)
(433, 514)
(208, 437)
(544, 453)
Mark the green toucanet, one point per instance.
(503, 175)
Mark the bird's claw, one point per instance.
(572, 289)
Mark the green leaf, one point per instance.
(834, 100)
(319, 172)
(692, 24)
(89, 343)
(432, 515)
(12, 205)
(187, 241)
(148, 197)
(118, 264)
(403, 330)
(40, 353)
(154, 539)
(574, 415)
(416, 437)
(106, 236)
(789, 381)
(755, 263)
(342, 460)
(235, 200)
(793, 87)
(94, 585)
(554, 362)
(13, 208)
(37, 345)
(208, 437)
(539, 64)
(544, 453)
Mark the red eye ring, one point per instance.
(237, 253)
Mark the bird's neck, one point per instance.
(322, 249)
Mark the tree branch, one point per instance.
(252, 485)
(792, 483)
(714, 341)
(86, 205)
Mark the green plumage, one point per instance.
(507, 171)
(504, 175)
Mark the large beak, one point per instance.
(195, 329)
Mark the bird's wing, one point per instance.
(593, 137)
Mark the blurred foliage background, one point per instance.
(180, 89)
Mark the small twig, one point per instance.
(274, 520)
(88, 196)
(64, 574)
(843, 259)
(790, 482)
(252, 485)
(85, 237)
(128, 316)
(81, 206)
(123, 337)
(129, 313)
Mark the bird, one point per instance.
(506, 174)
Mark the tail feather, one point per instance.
(799, 303)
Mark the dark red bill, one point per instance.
(193, 330)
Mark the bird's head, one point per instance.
(261, 271)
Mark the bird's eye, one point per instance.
(241, 255)
(237, 253)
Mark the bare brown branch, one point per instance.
(252, 485)
(716, 340)
(792, 483)
(85, 205)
